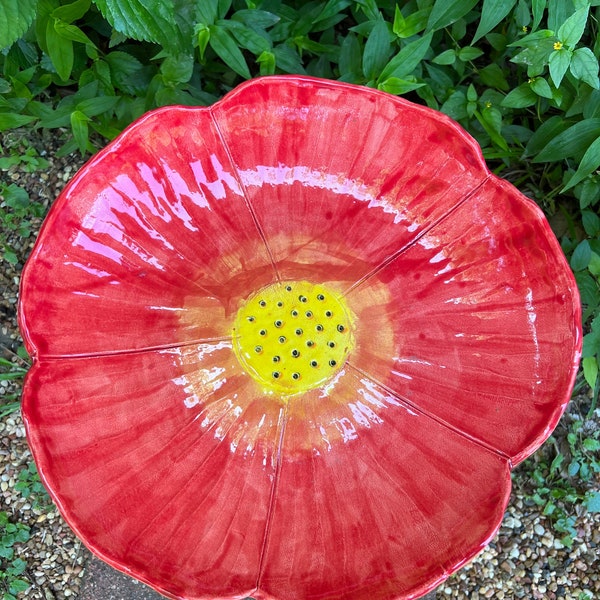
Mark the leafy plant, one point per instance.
(11, 567)
(10, 371)
(555, 484)
(31, 488)
(16, 210)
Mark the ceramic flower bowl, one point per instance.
(291, 345)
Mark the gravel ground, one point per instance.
(525, 560)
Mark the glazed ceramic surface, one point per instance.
(173, 456)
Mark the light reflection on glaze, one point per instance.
(284, 175)
(89, 269)
(82, 240)
(217, 186)
(531, 319)
(179, 189)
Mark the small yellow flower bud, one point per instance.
(524, 29)
(558, 45)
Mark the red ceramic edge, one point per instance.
(577, 329)
(511, 463)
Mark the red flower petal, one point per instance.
(338, 191)
(484, 317)
(151, 244)
(375, 506)
(162, 461)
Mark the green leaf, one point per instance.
(534, 38)
(591, 444)
(581, 256)
(12, 120)
(369, 8)
(399, 21)
(592, 502)
(266, 60)
(19, 585)
(203, 36)
(491, 120)
(558, 13)
(15, 18)
(405, 62)
(377, 50)
(572, 142)
(570, 32)
(79, 126)
(534, 58)
(584, 66)
(259, 19)
(10, 257)
(456, 106)
(590, 370)
(589, 163)
(177, 69)
(447, 57)
(469, 53)
(558, 63)
(588, 288)
(71, 32)
(71, 12)
(144, 20)
(594, 265)
(591, 341)
(540, 86)
(60, 51)
(207, 11)
(246, 37)
(17, 567)
(522, 16)
(125, 72)
(537, 7)
(446, 12)
(591, 222)
(471, 93)
(223, 7)
(589, 193)
(520, 97)
(226, 48)
(414, 23)
(492, 12)
(545, 134)
(287, 59)
(493, 76)
(350, 57)
(15, 197)
(331, 10)
(397, 86)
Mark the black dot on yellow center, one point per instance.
(304, 328)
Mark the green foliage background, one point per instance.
(520, 75)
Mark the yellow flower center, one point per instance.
(293, 336)
(558, 45)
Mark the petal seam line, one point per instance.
(272, 500)
(249, 206)
(386, 261)
(438, 420)
(157, 348)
